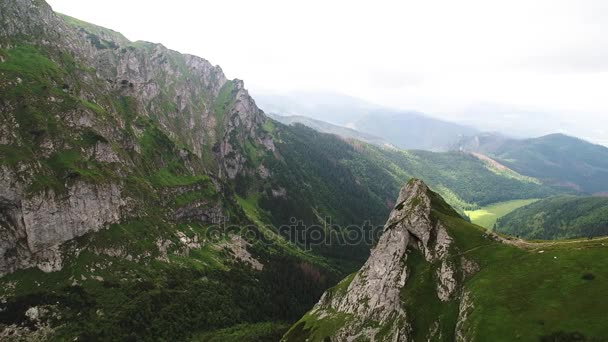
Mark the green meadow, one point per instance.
(487, 216)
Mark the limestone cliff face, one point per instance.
(372, 301)
(34, 227)
(104, 102)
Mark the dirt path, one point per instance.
(538, 245)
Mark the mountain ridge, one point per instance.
(433, 276)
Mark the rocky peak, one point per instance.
(374, 294)
(414, 213)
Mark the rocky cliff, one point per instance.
(90, 122)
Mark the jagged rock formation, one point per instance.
(371, 302)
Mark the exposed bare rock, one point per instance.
(50, 220)
(34, 226)
(200, 211)
(447, 281)
(464, 310)
(469, 267)
(263, 171)
(371, 304)
(163, 249)
(279, 193)
(238, 248)
(38, 329)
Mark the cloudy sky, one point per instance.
(539, 65)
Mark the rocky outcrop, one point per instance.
(237, 247)
(200, 211)
(464, 310)
(243, 126)
(374, 294)
(35, 226)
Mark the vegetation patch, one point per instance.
(488, 215)
(560, 217)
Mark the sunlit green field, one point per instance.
(487, 216)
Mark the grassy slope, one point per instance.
(487, 216)
(559, 217)
(524, 294)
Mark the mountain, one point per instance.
(124, 196)
(145, 196)
(554, 159)
(406, 130)
(560, 217)
(326, 127)
(433, 276)
(95, 121)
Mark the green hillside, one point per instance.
(561, 217)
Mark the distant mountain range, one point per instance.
(403, 129)
(555, 159)
(326, 127)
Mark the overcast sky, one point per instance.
(460, 60)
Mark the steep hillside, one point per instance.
(433, 276)
(554, 159)
(561, 217)
(128, 173)
(94, 121)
